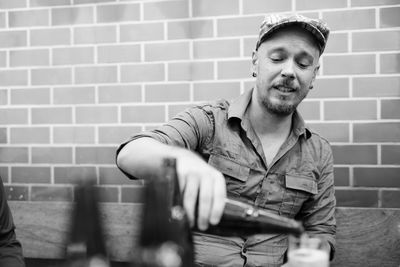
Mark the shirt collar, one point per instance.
(238, 107)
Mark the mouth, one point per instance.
(284, 89)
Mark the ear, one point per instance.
(314, 76)
(254, 62)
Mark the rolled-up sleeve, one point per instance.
(318, 212)
(10, 247)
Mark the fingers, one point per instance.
(205, 202)
(218, 203)
(190, 197)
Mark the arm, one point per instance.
(318, 212)
(142, 157)
(10, 248)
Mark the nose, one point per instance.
(288, 69)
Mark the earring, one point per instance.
(311, 86)
(254, 74)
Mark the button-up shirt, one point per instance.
(297, 184)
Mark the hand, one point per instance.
(200, 181)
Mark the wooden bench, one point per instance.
(365, 237)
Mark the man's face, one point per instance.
(286, 65)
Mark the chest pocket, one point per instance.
(235, 174)
(298, 188)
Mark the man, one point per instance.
(255, 149)
(10, 248)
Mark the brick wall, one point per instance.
(77, 77)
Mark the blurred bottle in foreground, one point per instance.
(165, 238)
(86, 246)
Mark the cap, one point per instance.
(273, 22)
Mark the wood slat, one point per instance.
(365, 237)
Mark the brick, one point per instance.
(143, 114)
(97, 114)
(73, 135)
(78, 2)
(40, 3)
(30, 135)
(315, 4)
(51, 76)
(117, 13)
(18, 193)
(330, 88)
(133, 194)
(354, 154)
(165, 10)
(6, 4)
(350, 19)
(95, 34)
(73, 55)
(390, 63)
(108, 194)
(191, 29)
(118, 53)
(350, 110)
(142, 32)
(28, 18)
(239, 26)
(113, 176)
(234, 69)
(342, 176)
(249, 44)
(74, 95)
(389, 17)
(4, 174)
(157, 52)
(215, 8)
(13, 39)
(3, 137)
(173, 110)
(36, 57)
(143, 72)
(390, 154)
(119, 93)
(333, 132)
(190, 71)
(73, 174)
(376, 177)
(31, 175)
(72, 15)
(50, 37)
(3, 58)
(390, 198)
(51, 193)
(167, 92)
(116, 134)
(216, 49)
(51, 155)
(95, 155)
(13, 154)
(367, 198)
(376, 86)
(13, 77)
(310, 110)
(2, 19)
(96, 74)
(390, 109)
(373, 41)
(376, 132)
(214, 91)
(3, 97)
(14, 116)
(373, 2)
(261, 6)
(349, 64)
(53, 115)
(337, 43)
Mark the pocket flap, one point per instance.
(301, 182)
(229, 167)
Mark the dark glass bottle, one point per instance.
(85, 244)
(165, 239)
(243, 219)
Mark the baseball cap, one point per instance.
(273, 22)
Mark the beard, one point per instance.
(281, 109)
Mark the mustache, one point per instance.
(285, 83)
